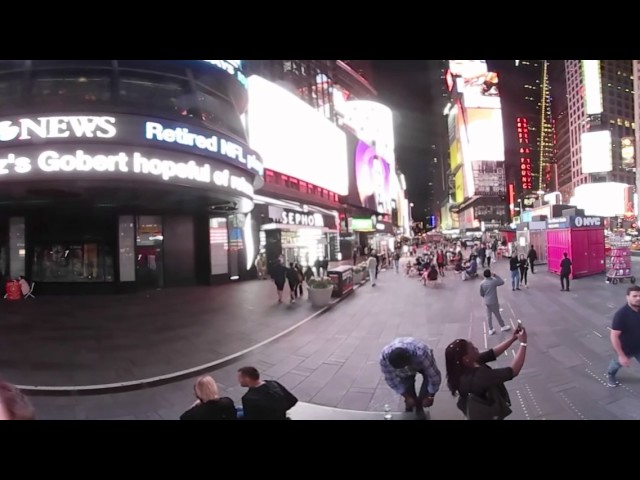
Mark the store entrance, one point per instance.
(304, 246)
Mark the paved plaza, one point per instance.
(332, 360)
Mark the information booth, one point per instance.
(582, 237)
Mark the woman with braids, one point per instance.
(468, 374)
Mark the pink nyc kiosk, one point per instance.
(582, 237)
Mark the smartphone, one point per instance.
(520, 326)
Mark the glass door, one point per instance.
(149, 264)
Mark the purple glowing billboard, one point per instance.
(373, 177)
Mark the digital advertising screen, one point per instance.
(373, 178)
(293, 139)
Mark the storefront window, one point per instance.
(149, 263)
(64, 88)
(157, 93)
(73, 262)
(218, 246)
(72, 246)
(127, 248)
(304, 245)
(17, 251)
(220, 113)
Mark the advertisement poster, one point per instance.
(373, 179)
(489, 178)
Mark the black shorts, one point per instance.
(280, 286)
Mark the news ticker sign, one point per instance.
(128, 130)
(93, 162)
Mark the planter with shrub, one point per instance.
(320, 290)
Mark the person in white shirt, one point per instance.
(491, 256)
(372, 266)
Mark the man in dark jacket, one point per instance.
(565, 271)
(265, 400)
(532, 256)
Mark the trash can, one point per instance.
(342, 278)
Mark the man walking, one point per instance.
(514, 268)
(625, 334)
(489, 291)
(372, 263)
(400, 362)
(532, 256)
(565, 271)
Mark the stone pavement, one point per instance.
(89, 340)
(333, 360)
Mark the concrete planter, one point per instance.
(359, 277)
(320, 297)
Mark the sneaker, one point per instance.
(506, 328)
(492, 331)
(611, 381)
(518, 288)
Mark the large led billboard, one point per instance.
(592, 81)
(596, 152)
(489, 178)
(481, 134)
(373, 177)
(294, 139)
(606, 199)
(478, 86)
(372, 123)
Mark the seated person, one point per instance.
(431, 275)
(458, 266)
(472, 269)
(209, 405)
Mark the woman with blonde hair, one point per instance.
(209, 405)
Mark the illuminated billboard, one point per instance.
(293, 139)
(372, 123)
(489, 178)
(459, 187)
(373, 177)
(606, 199)
(628, 152)
(592, 81)
(481, 134)
(478, 86)
(596, 152)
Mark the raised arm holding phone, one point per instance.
(469, 376)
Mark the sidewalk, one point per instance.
(332, 361)
(94, 340)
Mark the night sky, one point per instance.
(407, 87)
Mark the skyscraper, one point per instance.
(600, 112)
(528, 128)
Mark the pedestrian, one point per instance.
(489, 291)
(372, 267)
(300, 291)
(209, 405)
(396, 260)
(440, 260)
(491, 256)
(481, 392)
(279, 275)
(355, 256)
(14, 405)
(625, 334)
(565, 271)
(532, 256)
(292, 278)
(523, 266)
(265, 400)
(514, 267)
(400, 363)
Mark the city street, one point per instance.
(332, 360)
